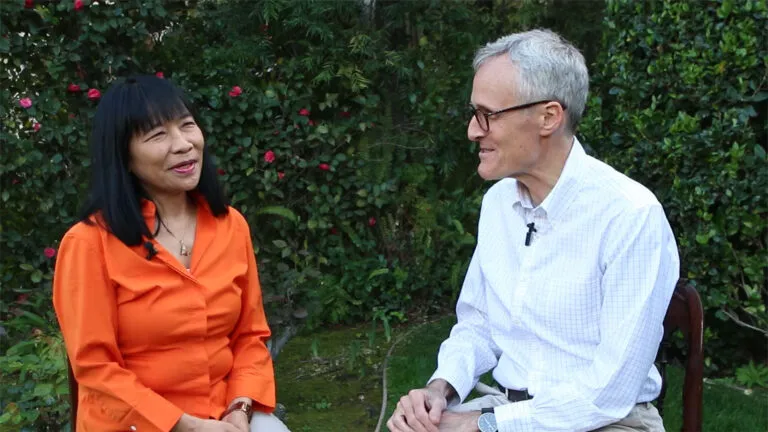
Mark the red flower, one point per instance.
(36, 126)
(29, 4)
(49, 252)
(72, 115)
(15, 181)
(78, 4)
(22, 298)
(345, 114)
(371, 221)
(94, 94)
(220, 171)
(73, 88)
(25, 102)
(334, 231)
(280, 175)
(304, 112)
(159, 75)
(236, 91)
(276, 132)
(312, 123)
(324, 166)
(269, 156)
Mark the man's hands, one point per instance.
(459, 422)
(421, 409)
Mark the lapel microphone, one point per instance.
(529, 234)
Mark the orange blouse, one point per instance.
(149, 340)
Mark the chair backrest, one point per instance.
(73, 393)
(686, 314)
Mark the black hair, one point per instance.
(133, 106)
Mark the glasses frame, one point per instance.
(484, 119)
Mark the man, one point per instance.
(573, 271)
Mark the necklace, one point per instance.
(183, 249)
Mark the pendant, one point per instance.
(183, 250)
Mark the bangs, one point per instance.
(148, 102)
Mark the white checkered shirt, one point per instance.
(576, 317)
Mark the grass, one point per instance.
(331, 381)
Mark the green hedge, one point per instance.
(680, 103)
(341, 135)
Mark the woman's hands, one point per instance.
(188, 423)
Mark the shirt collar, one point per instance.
(560, 197)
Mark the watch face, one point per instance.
(487, 423)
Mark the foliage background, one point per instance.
(378, 95)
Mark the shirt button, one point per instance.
(133, 428)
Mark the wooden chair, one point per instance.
(73, 393)
(686, 314)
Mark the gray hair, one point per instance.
(549, 67)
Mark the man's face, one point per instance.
(510, 147)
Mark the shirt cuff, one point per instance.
(515, 417)
(462, 386)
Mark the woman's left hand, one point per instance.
(238, 419)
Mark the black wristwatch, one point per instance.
(487, 421)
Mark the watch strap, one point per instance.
(245, 407)
(487, 410)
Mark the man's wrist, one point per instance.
(443, 387)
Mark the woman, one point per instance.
(156, 289)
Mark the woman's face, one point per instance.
(168, 159)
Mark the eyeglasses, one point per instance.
(483, 117)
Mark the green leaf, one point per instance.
(280, 244)
(26, 267)
(279, 211)
(379, 272)
(43, 389)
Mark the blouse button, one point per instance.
(133, 428)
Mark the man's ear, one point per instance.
(552, 118)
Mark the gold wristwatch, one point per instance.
(245, 407)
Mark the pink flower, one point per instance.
(269, 156)
(73, 88)
(49, 252)
(25, 102)
(371, 221)
(159, 75)
(280, 175)
(29, 4)
(36, 126)
(94, 94)
(312, 123)
(334, 231)
(220, 172)
(15, 181)
(236, 91)
(276, 132)
(72, 115)
(345, 114)
(304, 112)
(324, 166)
(78, 4)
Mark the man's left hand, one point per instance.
(238, 419)
(459, 422)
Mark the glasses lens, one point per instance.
(482, 120)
